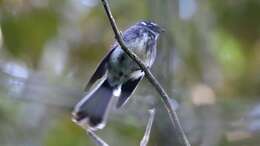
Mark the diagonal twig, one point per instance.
(146, 137)
(98, 141)
(164, 96)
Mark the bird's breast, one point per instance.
(121, 67)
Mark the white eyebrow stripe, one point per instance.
(143, 23)
(154, 24)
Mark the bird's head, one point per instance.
(151, 26)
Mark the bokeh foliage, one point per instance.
(208, 59)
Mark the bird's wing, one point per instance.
(126, 90)
(100, 70)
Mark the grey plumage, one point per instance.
(118, 71)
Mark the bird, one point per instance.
(119, 75)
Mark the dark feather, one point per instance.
(94, 106)
(126, 90)
(100, 71)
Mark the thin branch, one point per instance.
(164, 96)
(146, 137)
(98, 141)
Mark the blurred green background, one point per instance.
(207, 60)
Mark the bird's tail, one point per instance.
(91, 111)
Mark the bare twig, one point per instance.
(98, 141)
(164, 96)
(146, 137)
